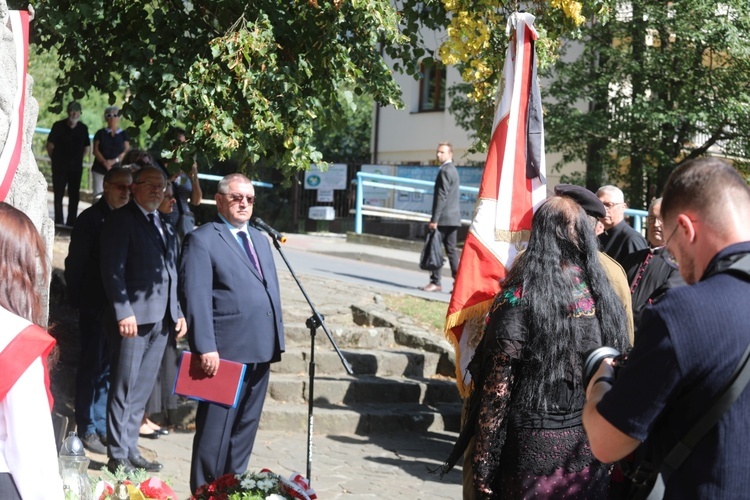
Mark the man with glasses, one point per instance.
(139, 272)
(230, 294)
(83, 279)
(691, 342)
(649, 275)
(110, 145)
(618, 239)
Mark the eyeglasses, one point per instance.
(237, 198)
(110, 115)
(654, 220)
(153, 187)
(609, 204)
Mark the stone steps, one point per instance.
(362, 389)
(362, 418)
(398, 361)
(402, 375)
(297, 334)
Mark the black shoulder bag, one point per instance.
(432, 254)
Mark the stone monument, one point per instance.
(28, 191)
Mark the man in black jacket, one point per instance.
(446, 212)
(649, 275)
(618, 239)
(83, 279)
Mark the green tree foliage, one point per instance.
(250, 80)
(346, 139)
(653, 87)
(477, 42)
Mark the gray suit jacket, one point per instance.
(139, 272)
(445, 202)
(229, 308)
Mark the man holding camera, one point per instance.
(691, 343)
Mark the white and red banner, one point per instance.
(10, 156)
(513, 186)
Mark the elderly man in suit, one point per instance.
(230, 294)
(83, 279)
(446, 212)
(139, 273)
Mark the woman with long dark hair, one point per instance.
(556, 304)
(28, 455)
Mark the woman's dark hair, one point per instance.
(562, 246)
(23, 262)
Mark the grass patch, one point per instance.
(424, 312)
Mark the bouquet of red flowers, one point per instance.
(152, 488)
(264, 485)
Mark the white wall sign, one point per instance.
(333, 178)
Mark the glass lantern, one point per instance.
(74, 468)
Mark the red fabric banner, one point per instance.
(513, 185)
(10, 156)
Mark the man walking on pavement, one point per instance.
(446, 212)
(68, 142)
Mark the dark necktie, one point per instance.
(152, 219)
(250, 251)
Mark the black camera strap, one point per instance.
(732, 390)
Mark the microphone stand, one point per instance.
(313, 322)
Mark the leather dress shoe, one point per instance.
(161, 431)
(142, 463)
(92, 443)
(432, 287)
(150, 435)
(115, 463)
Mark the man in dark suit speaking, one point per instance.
(139, 274)
(230, 294)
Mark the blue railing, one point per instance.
(395, 183)
(403, 184)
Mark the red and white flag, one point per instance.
(11, 145)
(513, 186)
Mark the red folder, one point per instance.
(223, 388)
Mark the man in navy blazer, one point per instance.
(230, 294)
(139, 274)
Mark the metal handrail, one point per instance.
(402, 184)
(396, 183)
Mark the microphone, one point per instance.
(259, 224)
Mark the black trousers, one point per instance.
(224, 437)
(450, 239)
(92, 378)
(73, 181)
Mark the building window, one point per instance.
(432, 87)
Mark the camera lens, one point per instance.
(594, 359)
